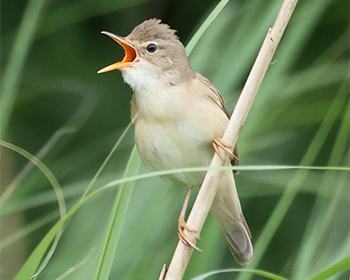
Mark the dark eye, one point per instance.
(151, 48)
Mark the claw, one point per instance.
(218, 142)
(181, 227)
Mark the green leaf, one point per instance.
(116, 219)
(265, 274)
(340, 266)
(12, 73)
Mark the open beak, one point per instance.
(130, 54)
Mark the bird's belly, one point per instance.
(171, 145)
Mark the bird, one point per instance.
(179, 118)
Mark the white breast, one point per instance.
(175, 126)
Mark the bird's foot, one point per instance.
(181, 227)
(218, 142)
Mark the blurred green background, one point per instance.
(54, 103)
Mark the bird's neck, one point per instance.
(157, 92)
(158, 100)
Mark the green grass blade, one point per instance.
(327, 198)
(34, 260)
(8, 191)
(73, 268)
(208, 21)
(340, 266)
(58, 191)
(21, 46)
(98, 173)
(26, 230)
(265, 274)
(30, 266)
(112, 237)
(116, 219)
(295, 183)
(46, 171)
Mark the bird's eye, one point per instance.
(152, 48)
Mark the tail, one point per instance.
(227, 210)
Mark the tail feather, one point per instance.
(227, 210)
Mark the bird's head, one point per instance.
(151, 50)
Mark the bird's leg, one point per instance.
(182, 226)
(218, 142)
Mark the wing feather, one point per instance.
(217, 98)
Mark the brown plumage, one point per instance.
(178, 114)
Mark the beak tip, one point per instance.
(130, 54)
(101, 71)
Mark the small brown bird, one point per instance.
(179, 117)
